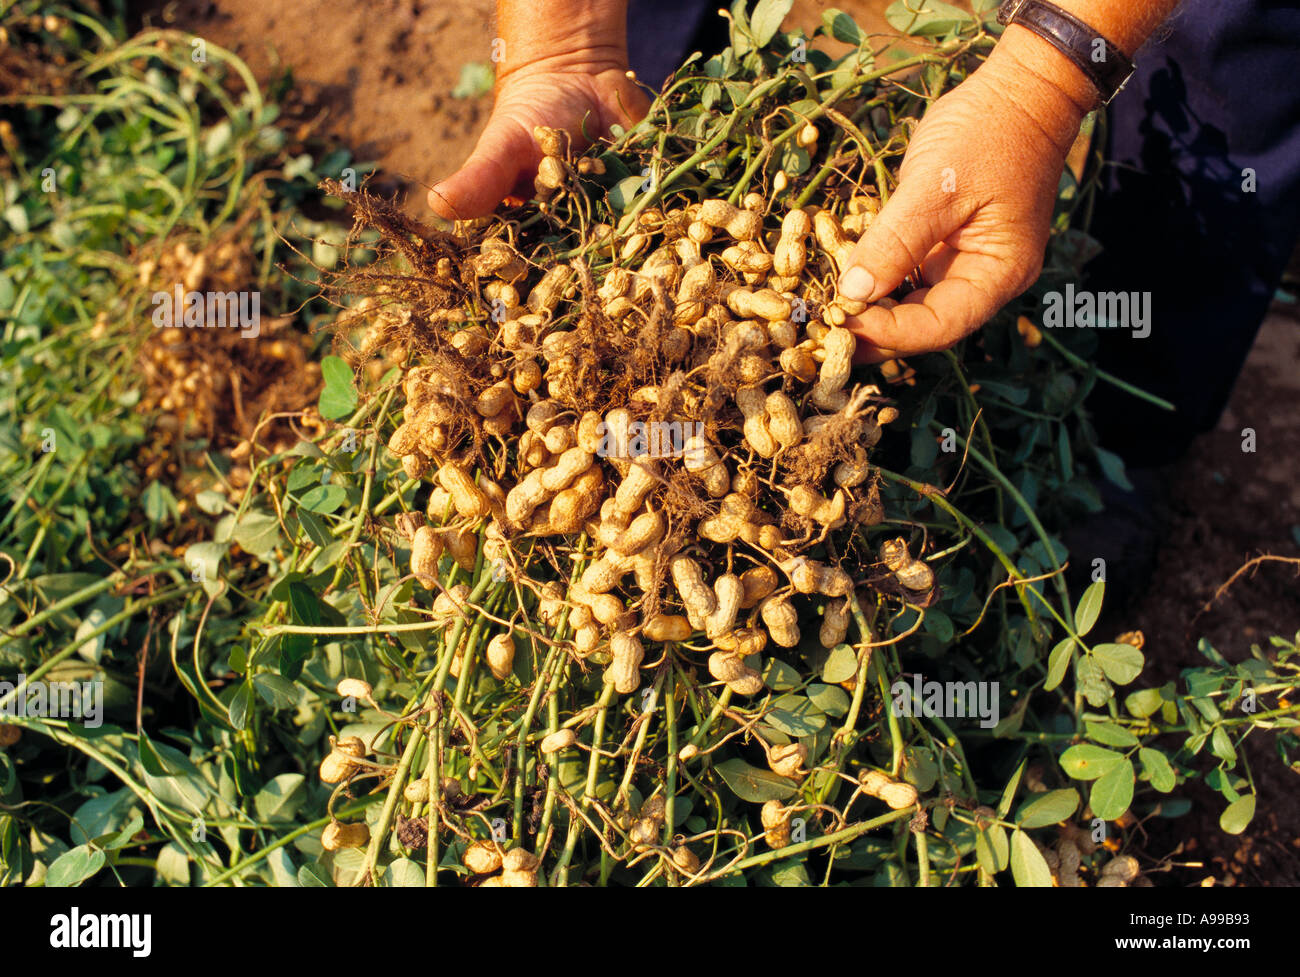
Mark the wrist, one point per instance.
(1043, 81)
(560, 34)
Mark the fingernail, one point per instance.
(857, 284)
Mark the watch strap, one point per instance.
(1106, 66)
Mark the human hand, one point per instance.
(583, 94)
(972, 209)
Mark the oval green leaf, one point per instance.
(779, 676)
(766, 19)
(841, 666)
(339, 396)
(324, 498)
(1028, 867)
(1050, 808)
(1057, 663)
(1234, 819)
(1113, 792)
(1144, 702)
(1121, 663)
(830, 699)
(1110, 734)
(754, 785)
(794, 715)
(74, 867)
(1087, 762)
(1158, 770)
(1089, 608)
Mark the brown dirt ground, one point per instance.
(377, 78)
(1227, 507)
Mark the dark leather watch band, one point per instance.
(1107, 67)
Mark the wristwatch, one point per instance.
(1107, 67)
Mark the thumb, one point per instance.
(504, 152)
(894, 244)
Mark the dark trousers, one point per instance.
(1200, 205)
(1201, 208)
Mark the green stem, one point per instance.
(835, 838)
(1114, 381)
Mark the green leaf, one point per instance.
(623, 194)
(1063, 453)
(984, 852)
(324, 498)
(74, 867)
(1113, 791)
(795, 160)
(304, 605)
(211, 502)
(926, 18)
(172, 865)
(1221, 745)
(1051, 808)
(125, 836)
(1111, 734)
(150, 758)
(1009, 792)
(1112, 466)
(1089, 609)
(789, 874)
(1144, 702)
(1121, 663)
(1235, 817)
(919, 768)
(91, 648)
(766, 19)
(841, 665)
(314, 876)
(280, 799)
(754, 785)
(1090, 678)
(158, 503)
(404, 874)
(100, 815)
(1158, 770)
(1028, 867)
(339, 396)
(794, 715)
(1087, 762)
(779, 676)
(291, 651)
(258, 532)
(939, 624)
(240, 705)
(842, 27)
(830, 699)
(1057, 663)
(278, 693)
(314, 527)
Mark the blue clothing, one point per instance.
(1216, 98)
(1202, 209)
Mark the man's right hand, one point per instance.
(565, 67)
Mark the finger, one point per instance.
(868, 352)
(896, 242)
(938, 263)
(935, 318)
(503, 154)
